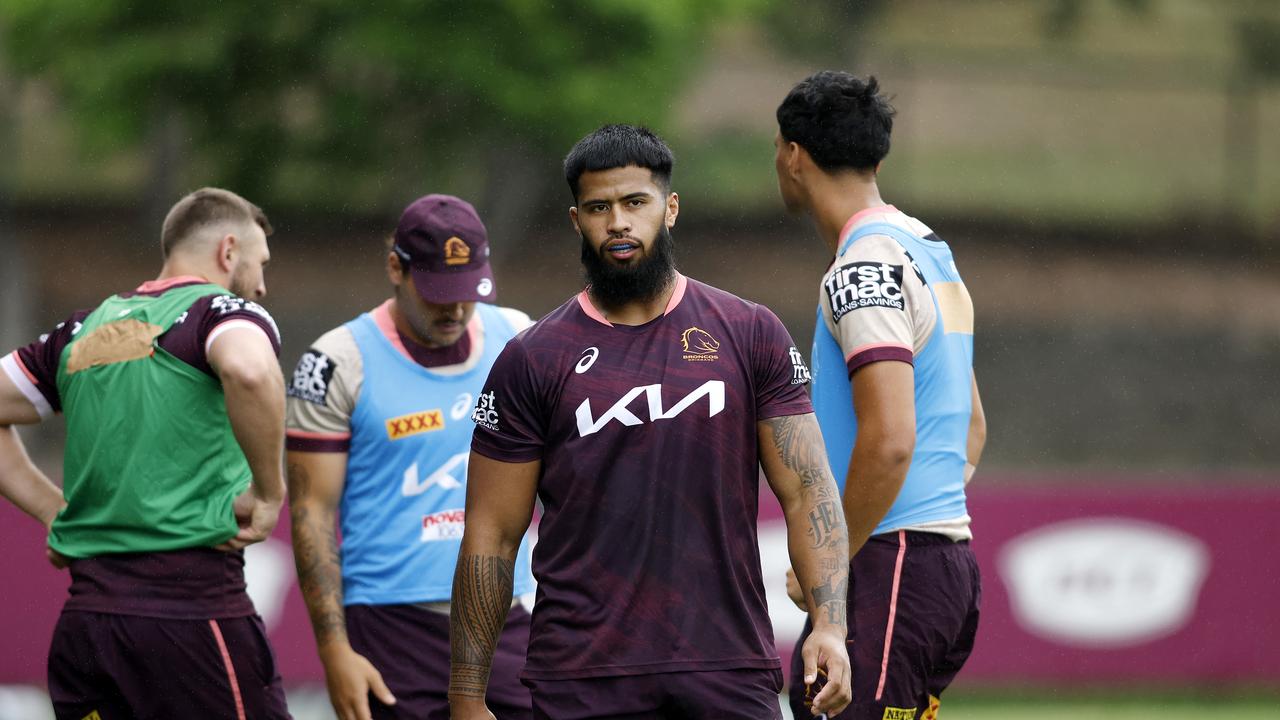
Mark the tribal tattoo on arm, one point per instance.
(482, 587)
(816, 505)
(317, 558)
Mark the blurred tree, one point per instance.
(355, 103)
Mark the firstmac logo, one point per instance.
(713, 390)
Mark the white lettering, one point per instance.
(713, 390)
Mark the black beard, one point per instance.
(615, 286)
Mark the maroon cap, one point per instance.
(444, 244)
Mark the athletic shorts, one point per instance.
(125, 667)
(913, 615)
(727, 694)
(409, 645)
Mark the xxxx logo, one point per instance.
(415, 424)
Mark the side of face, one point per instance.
(620, 212)
(433, 324)
(786, 161)
(249, 255)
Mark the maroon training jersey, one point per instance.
(185, 584)
(647, 559)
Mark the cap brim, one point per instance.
(442, 288)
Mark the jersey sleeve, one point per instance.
(778, 368)
(33, 368)
(509, 417)
(870, 299)
(219, 313)
(322, 394)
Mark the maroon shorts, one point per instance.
(127, 666)
(730, 694)
(913, 615)
(409, 645)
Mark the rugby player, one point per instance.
(174, 404)
(895, 394)
(379, 425)
(639, 412)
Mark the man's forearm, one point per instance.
(255, 407)
(817, 536)
(22, 483)
(319, 563)
(482, 587)
(874, 481)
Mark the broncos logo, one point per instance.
(699, 342)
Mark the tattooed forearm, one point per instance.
(826, 520)
(832, 597)
(793, 437)
(482, 587)
(810, 497)
(317, 558)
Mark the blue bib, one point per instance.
(934, 487)
(403, 505)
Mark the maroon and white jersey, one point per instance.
(34, 367)
(647, 559)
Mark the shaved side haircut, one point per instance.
(203, 208)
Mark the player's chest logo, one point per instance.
(654, 408)
(415, 424)
(698, 345)
(588, 359)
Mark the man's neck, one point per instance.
(637, 312)
(176, 267)
(838, 199)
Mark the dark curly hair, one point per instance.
(843, 122)
(617, 146)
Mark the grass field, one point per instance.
(29, 703)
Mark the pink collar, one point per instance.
(387, 326)
(863, 215)
(584, 301)
(154, 286)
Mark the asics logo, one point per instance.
(588, 359)
(713, 390)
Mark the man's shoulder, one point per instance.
(701, 293)
(517, 319)
(337, 341)
(552, 328)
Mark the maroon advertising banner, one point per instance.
(1099, 580)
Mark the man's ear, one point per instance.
(673, 209)
(573, 218)
(796, 157)
(395, 271)
(228, 248)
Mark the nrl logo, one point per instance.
(699, 345)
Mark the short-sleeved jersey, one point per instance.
(893, 293)
(404, 420)
(143, 583)
(647, 559)
(34, 367)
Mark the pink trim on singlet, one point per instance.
(231, 670)
(316, 435)
(861, 215)
(682, 284)
(152, 286)
(387, 325)
(873, 346)
(893, 612)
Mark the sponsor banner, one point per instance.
(1104, 580)
(1107, 580)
